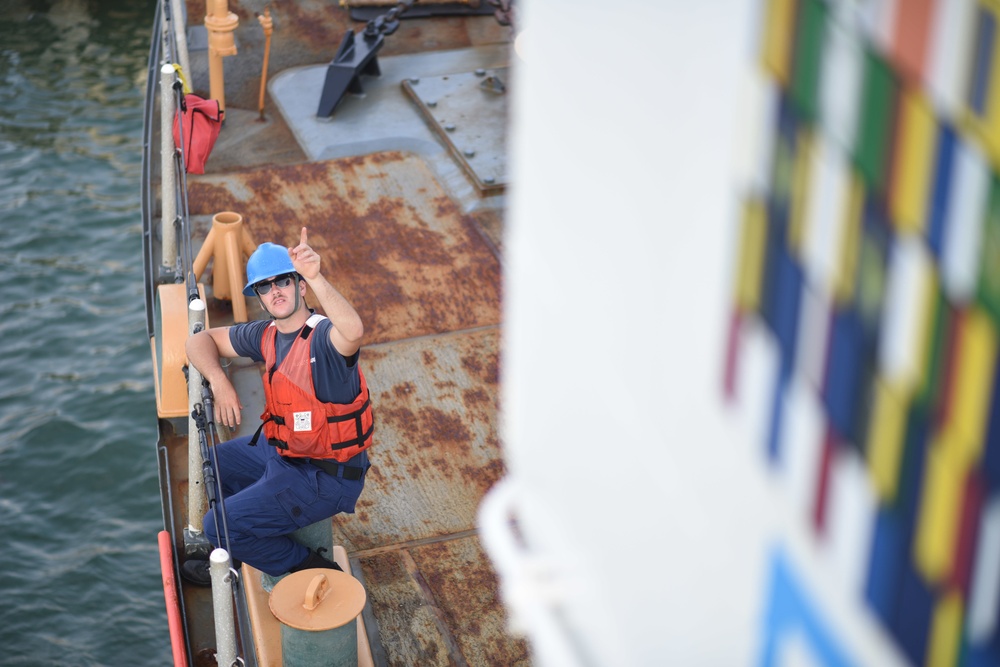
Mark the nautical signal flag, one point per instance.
(869, 278)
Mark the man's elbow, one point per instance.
(196, 342)
(190, 343)
(356, 332)
(350, 331)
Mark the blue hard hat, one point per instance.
(266, 262)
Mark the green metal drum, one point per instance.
(318, 611)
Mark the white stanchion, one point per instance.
(168, 180)
(197, 502)
(222, 601)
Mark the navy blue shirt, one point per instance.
(335, 376)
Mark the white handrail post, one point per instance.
(180, 31)
(168, 181)
(222, 601)
(197, 502)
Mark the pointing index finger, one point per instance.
(302, 240)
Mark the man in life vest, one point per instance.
(310, 462)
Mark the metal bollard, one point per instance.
(318, 611)
(228, 245)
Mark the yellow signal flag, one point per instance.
(779, 39)
(992, 125)
(914, 160)
(885, 440)
(939, 517)
(845, 278)
(749, 276)
(946, 631)
(973, 385)
(804, 163)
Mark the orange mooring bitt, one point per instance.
(268, 25)
(172, 600)
(220, 23)
(229, 243)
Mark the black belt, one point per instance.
(336, 469)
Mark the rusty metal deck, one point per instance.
(418, 252)
(392, 240)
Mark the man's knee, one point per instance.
(211, 531)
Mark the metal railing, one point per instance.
(172, 266)
(168, 258)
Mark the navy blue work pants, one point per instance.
(267, 498)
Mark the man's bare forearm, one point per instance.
(203, 354)
(338, 309)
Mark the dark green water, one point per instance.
(79, 508)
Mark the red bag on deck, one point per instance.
(202, 122)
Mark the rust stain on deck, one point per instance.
(465, 589)
(318, 25)
(399, 602)
(390, 239)
(446, 595)
(437, 449)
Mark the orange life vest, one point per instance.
(295, 420)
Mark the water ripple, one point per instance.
(78, 491)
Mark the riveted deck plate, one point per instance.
(468, 111)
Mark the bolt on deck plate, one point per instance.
(468, 110)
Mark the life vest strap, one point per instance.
(256, 435)
(359, 441)
(350, 415)
(356, 416)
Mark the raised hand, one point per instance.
(304, 258)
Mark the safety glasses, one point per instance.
(264, 286)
